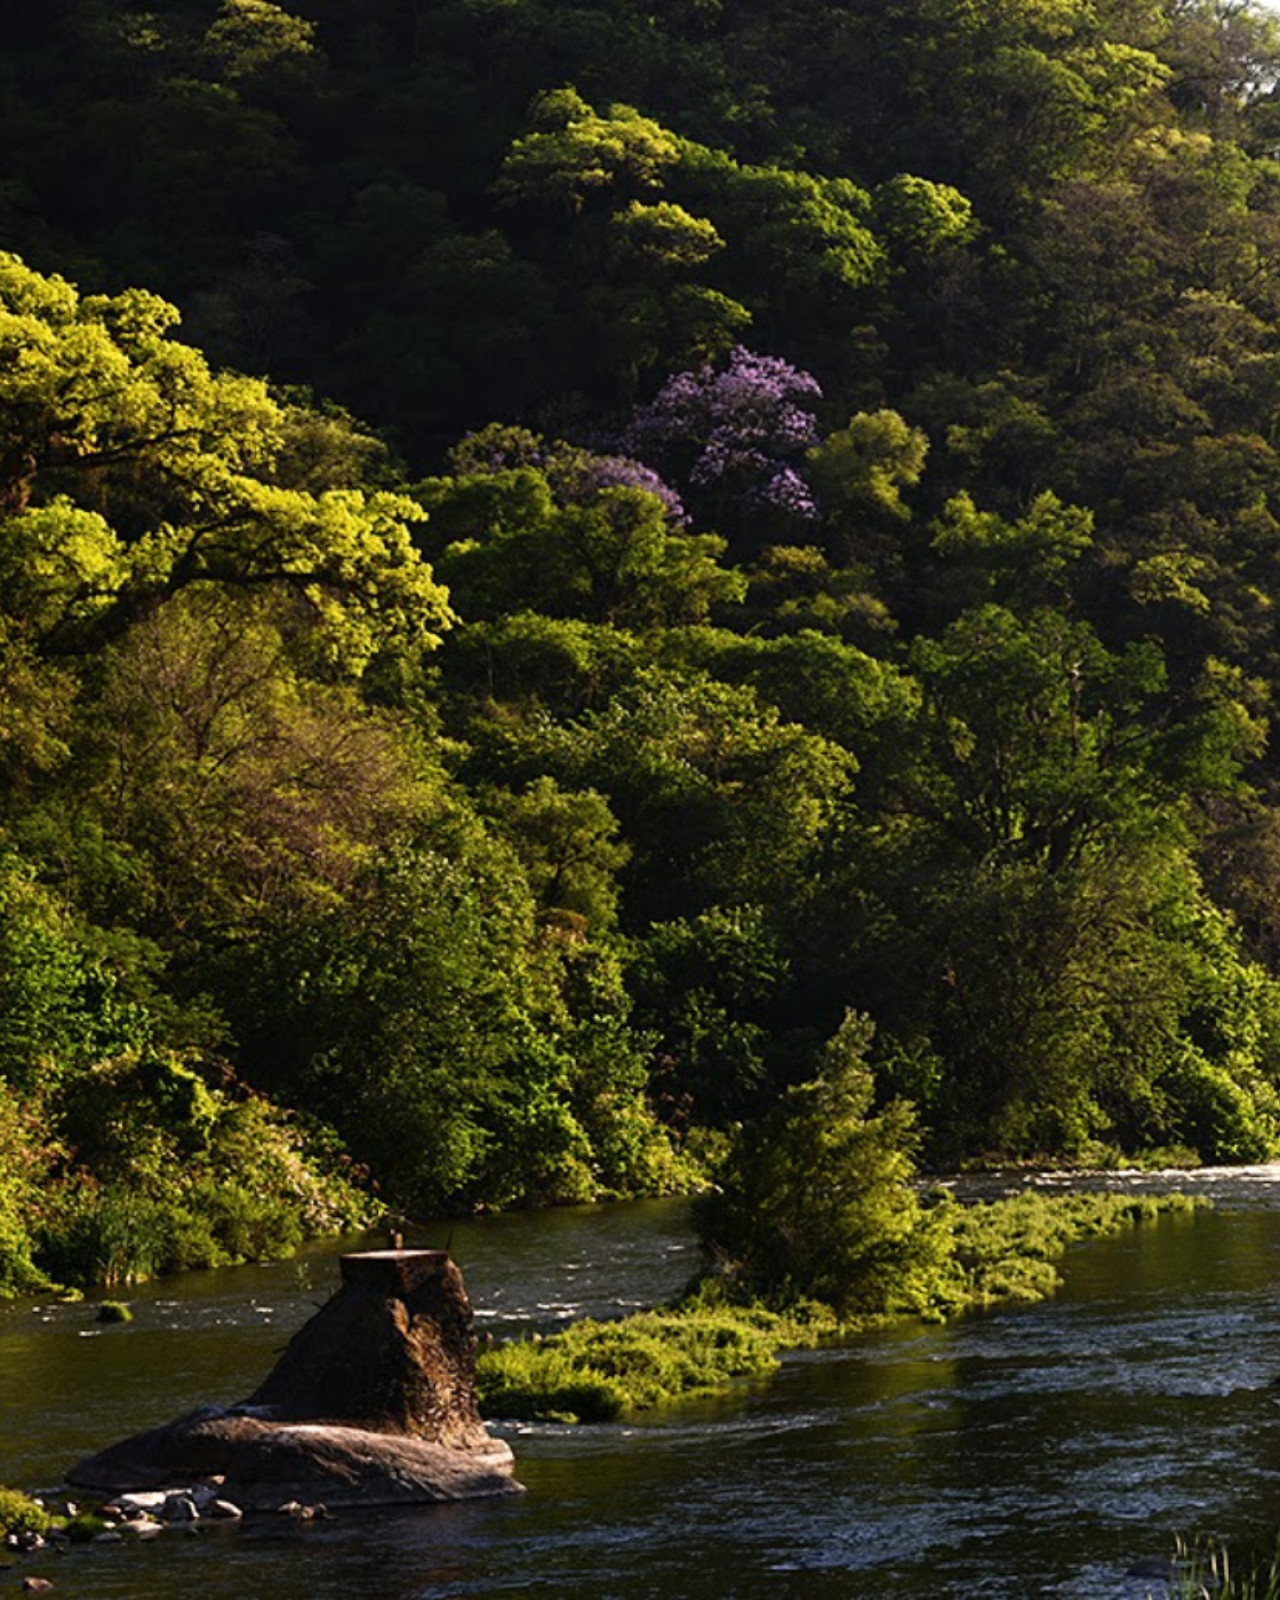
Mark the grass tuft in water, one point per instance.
(1006, 1250)
(599, 1371)
(1206, 1571)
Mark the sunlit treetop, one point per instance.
(129, 469)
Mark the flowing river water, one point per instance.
(1040, 1451)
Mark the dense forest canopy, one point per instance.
(551, 554)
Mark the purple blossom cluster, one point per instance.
(579, 474)
(742, 423)
(574, 474)
(500, 447)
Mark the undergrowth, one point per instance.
(19, 1513)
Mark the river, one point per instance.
(1039, 1451)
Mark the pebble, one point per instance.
(31, 1585)
(295, 1508)
(180, 1507)
(144, 1502)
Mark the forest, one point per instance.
(564, 566)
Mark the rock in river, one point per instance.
(372, 1403)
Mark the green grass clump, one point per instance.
(113, 1311)
(1206, 1568)
(1006, 1250)
(85, 1527)
(19, 1513)
(598, 1371)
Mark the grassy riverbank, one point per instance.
(989, 1254)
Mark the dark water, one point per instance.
(1034, 1452)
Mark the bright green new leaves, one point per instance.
(678, 245)
(860, 471)
(251, 37)
(918, 218)
(1025, 560)
(58, 563)
(802, 232)
(572, 153)
(130, 470)
(663, 236)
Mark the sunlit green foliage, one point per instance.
(816, 1201)
(129, 470)
(954, 326)
(598, 1371)
(19, 1513)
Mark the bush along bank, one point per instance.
(160, 1174)
(817, 1230)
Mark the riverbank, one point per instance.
(991, 1253)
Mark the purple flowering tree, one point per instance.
(574, 474)
(577, 475)
(735, 437)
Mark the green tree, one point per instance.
(720, 799)
(567, 533)
(710, 990)
(243, 790)
(817, 1199)
(568, 845)
(249, 38)
(129, 470)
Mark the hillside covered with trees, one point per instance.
(554, 557)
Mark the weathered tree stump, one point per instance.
(372, 1403)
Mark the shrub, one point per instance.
(817, 1199)
(19, 1513)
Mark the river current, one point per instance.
(1040, 1451)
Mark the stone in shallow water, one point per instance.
(372, 1403)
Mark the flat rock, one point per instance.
(265, 1464)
